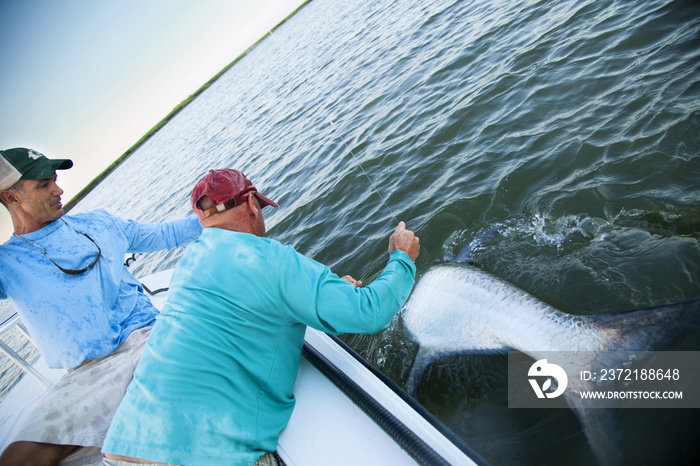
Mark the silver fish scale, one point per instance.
(457, 308)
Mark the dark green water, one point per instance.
(559, 141)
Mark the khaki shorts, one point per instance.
(79, 407)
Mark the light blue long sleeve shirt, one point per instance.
(73, 318)
(215, 381)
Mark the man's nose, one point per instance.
(56, 191)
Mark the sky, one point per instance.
(86, 79)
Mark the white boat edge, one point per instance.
(326, 427)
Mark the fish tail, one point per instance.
(601, 427)
(642, 330)
(649, 329)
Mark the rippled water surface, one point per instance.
(557, 144)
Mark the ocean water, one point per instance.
(556, 144)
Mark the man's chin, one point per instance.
(58, 211)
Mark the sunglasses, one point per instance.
(63, 269)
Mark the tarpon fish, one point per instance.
(460, 309)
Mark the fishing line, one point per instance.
(354, 157)
(371, 183)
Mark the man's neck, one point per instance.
(22, 228)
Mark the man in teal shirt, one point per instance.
(215, 381)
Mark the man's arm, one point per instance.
(151, 237)
(318, 298)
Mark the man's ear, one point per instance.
(253, 207)
(9, 197)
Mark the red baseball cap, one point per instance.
(226, 188)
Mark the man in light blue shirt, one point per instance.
(66, 277)
(215, 382)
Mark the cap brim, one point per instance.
(46, 168)
(264, 201)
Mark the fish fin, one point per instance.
(424, 358)
(427, 356)
(482, 238)
(649, 329)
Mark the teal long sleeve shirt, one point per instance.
(215, 382)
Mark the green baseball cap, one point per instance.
(27, 164)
